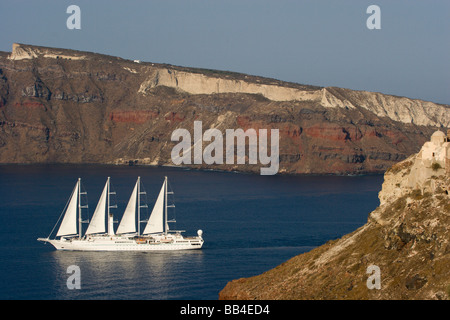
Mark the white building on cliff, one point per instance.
(426, 171)
(437, 150)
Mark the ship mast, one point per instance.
(110, 215)
(166, 186)
(79, 208)
(165, 203)
(80, 218)
(107, 205)
(139, 205)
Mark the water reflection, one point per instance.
(127, 275)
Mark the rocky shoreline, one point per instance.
(407, 238)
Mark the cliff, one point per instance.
(407, 237)
(68, 106)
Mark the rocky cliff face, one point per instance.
(68, 106)
(407, 237)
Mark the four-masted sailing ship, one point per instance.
(156, 235)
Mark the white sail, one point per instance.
(128, 222)
(69, 223)
(97, 224)
(155, 222)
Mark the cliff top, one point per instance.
(25, 51)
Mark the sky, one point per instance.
(316, 42)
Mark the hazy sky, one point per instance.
(324, 43)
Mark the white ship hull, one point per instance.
(117, 243)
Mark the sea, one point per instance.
(250, 223)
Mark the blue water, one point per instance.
(251, 224)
